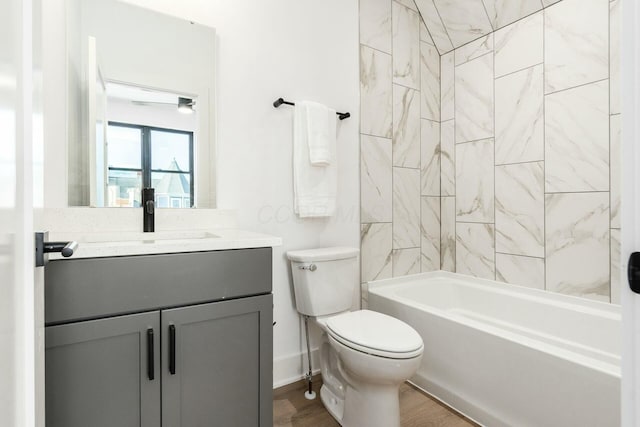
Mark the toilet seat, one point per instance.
(376, 334)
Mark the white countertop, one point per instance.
(100, 245)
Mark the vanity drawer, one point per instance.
(99, 287)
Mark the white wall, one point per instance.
(297, 49)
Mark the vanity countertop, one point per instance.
(101, 245)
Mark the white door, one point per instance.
(630, 210)
(21, 285)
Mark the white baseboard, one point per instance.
(289, 369)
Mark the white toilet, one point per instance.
(365, 355)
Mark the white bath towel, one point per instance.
(314, 187)
(321, 129)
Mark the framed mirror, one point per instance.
(140, 107)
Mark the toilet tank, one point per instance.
(324, 280)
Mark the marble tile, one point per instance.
(376, 248)
(375, 24)
(577, 244)
(406, 208)
(474, 49)
(505, 12)
(408, 3)
(616, 272)
(475, 181)
(616, 169)
(547, 3)
(406, 46)
(576, 47)
(520, 116)
(434, 24)
(475, 255)
(448, 234)
(520, 270)
(447, 85)
(430, 231)
(376, 99)
(364, 296)
(406, 127)
(465, 20)
(474, 99)
(430, 164)
(615, 24)
(577, 139)
(520, 209)
(425, 36)
(375, 179)
(406, 262)
(520, 45)
(430, 82)
(447, 159)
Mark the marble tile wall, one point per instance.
(400, 168)
(530, 147)
(456, 23)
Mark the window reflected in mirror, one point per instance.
(141, 154)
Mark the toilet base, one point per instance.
(384, 413)
(372, 406)
(332, 403)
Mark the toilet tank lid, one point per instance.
(323, 254)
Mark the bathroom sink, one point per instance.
(132, 236)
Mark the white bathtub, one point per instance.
(506, 355)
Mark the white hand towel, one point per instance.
(314, 187)
(321, 128)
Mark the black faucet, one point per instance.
(148, 209)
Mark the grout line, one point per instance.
(455, 168)
(444, 27)
(495, 233)
(520, 163)
(609, 133)
(404, 86)
(474, 222)
(376, 49)
(475, 140)
(575, 192)
(491, 24)
(405, 167)
(470, 60)
(501, 28)
(524, 256)
(575, 87)
(377, 136)
(519, 70)
(544, 148)
(361, 262)
(393, 137)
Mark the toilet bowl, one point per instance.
(365, 356)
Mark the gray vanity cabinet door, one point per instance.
(97, 373)
(223, 364)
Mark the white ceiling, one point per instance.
(453, 23)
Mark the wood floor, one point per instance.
(291, 409)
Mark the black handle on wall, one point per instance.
(633, 272)
(172, 349)
(151, 369)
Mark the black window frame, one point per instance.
(145, 132)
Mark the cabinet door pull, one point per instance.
(151, 369)
(172, 349)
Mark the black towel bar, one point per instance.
(278, 102)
